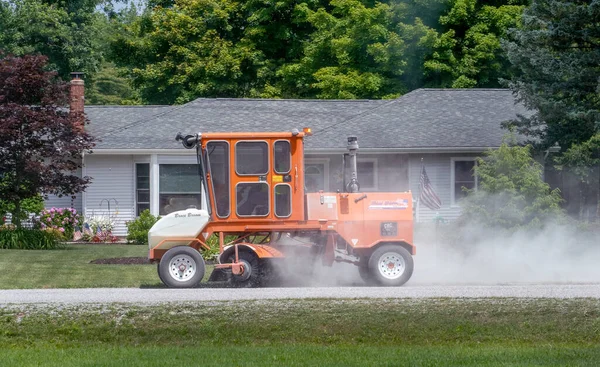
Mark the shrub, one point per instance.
(63, 220)
(511, 193)
(28, 239)
(137, 229)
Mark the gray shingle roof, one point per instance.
(425, 118)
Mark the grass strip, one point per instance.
(314, 322)
(305, 355)
(70, 267)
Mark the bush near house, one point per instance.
(29, 239)
(137, 229)
(512, 193)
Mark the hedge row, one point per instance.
(29, 239)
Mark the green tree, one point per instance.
(66, 32)
(511, 192)
(190, 50)
(111, 87)
(557, 56)
(467, 52)
(352, 53)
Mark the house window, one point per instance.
(142, 187)
(462, 175)
(316, 175)
(252, 158)
(179, 187)
(367, 173)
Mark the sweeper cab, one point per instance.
(256, 208)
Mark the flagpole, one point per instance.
(419, 197)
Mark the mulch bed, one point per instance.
(123, 261)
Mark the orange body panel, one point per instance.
(362, 220)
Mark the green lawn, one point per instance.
(438, 332)
(70, 268)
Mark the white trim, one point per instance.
(453, 204)
(144, 151)
(373, 160)
(84, 193)
(135, 186)
(154, 182)
(325, 162)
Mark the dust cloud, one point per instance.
(557, 254)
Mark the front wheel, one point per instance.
(391, 265)
(181, 267)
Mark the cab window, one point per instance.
(251, 158)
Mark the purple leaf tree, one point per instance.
(41, 140)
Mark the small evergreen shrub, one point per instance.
(137, 229)
(29, 239)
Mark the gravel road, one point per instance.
(156, 296)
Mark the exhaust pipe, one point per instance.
(353, 185)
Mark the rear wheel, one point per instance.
(391, 265)
(366, 275)
(181, 267)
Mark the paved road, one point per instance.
(154, 296)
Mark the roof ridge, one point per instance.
(127, 106)
(287, 100)
(459, 89)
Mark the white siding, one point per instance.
(438, 168)
(113, 179)
(54, 201)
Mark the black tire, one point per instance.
(158, 271)
(366, 276)
(398, 271)
(252, 276)
(170, 272)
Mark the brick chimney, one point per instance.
(77, 92)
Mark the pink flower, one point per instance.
(61, 229)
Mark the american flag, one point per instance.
(428, 197)
(86, 229)
(77, 234)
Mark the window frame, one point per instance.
(268, 199)
(268, 158)
(199, 192)
(275, 200)
(325, 162)
(135, 187)
(453, 160)
(290, 157)
(228, 177)
(373, 160)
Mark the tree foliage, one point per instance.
(40, 141)
(557, 55)
(511, 191)
(313, 48)
(66, 32)
(467, 52)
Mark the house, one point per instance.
(138, 165)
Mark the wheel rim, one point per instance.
(182, 268)
(247, 272)
(391, 265)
